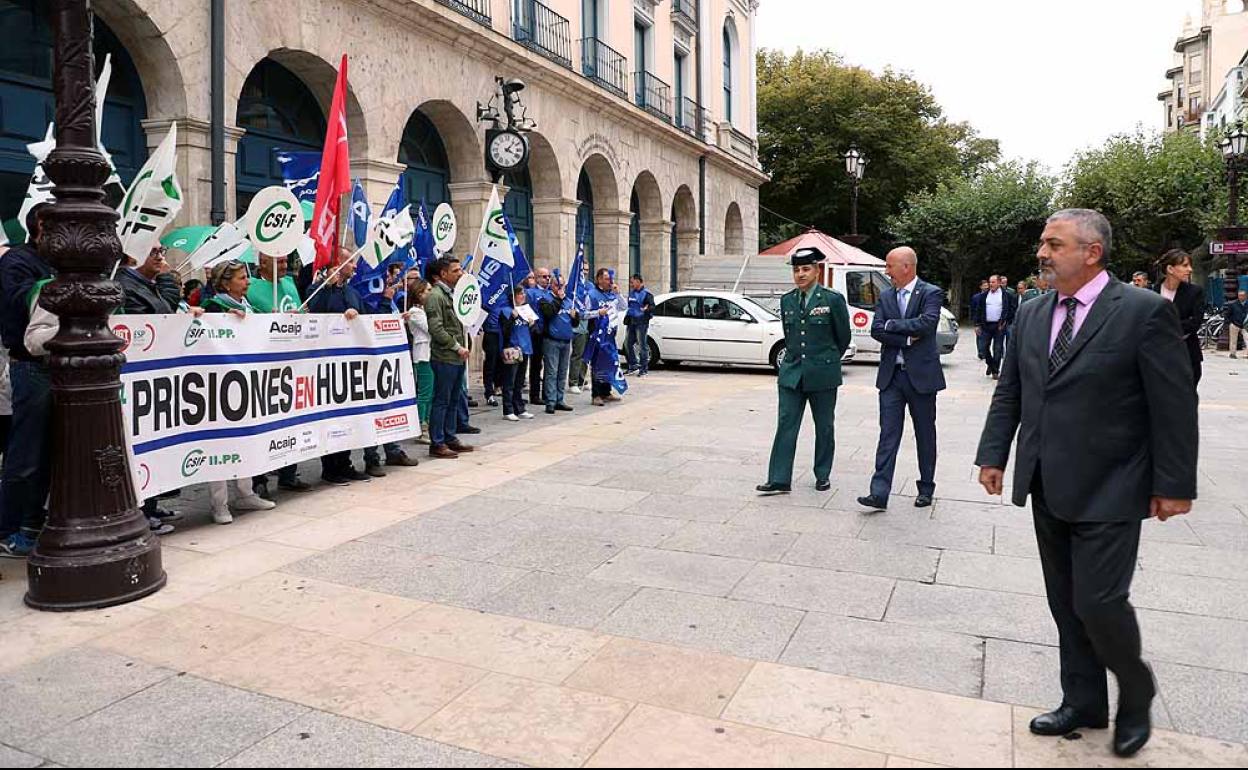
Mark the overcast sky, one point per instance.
(1045, 78)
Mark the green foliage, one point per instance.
(811, 107)
(971, 226)
(1159, 193)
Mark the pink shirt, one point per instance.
(1087, 297)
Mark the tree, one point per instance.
(1159, 193)
(971, 226)
(811, 107)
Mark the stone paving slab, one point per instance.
(563, 556)
(744, 629)
(973, 611)
(869, 558)
(614, 527)
(887, 652)
(325, 740)
(674, 570)
(737, 542)
(13, 758)
(561, 600)
(181, 722)
(1205, 702)
(816, 590)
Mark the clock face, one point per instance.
(507, 150)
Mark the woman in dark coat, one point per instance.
(1174, 282)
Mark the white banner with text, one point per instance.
(222, 397)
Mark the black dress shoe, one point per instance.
(823, 485)
(923, 501)
(470, 430)
(563, 408)
(873, 502)
(1064, 721)
(772, 488)
(294, 486)
(1131, 733)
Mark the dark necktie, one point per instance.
(1061, 348)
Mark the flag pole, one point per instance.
(331, 276)
(275, 308)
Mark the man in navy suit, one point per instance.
(910, 375)
(993, 315)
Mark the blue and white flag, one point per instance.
(360, 216)
(370, 281)
(608, 354)
(422, 250)
(499, 274)
(301, 172)
(578, 287)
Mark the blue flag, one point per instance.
(497, 277)
(578, 287)
(361, 214)
(301, 172)
(422, 248)
(371, 282)
(520, 264)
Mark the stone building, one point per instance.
(1204, 58)
(646, 141)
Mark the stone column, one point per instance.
(686, 254)
(554, 232)
(656, 252)
(378, 177)
(194, 166)
(469, 200)
(611, 240)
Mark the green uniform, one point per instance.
(816, 335)
(260, 295)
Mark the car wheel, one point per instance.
(655, 358)
(777, 356)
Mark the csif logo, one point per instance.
(387, 325)
(197, 459)
(468, 301)
(197, 331)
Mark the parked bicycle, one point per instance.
(1211, 330)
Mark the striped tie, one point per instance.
(1061, 348)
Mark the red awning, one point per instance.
(838, 252)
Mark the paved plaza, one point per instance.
(605, 589)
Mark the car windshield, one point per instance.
(771, 305)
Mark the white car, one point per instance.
(715, 326)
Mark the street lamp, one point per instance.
(855, 168)
(1234, 148)
(96, 549)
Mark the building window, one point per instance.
(728, 55)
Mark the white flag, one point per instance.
(387, 235)
(153, 201)
(227, 242)
(493, 239)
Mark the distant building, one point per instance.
(1203, 60)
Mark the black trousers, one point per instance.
(992, 345)
(537, 383)
(492, 362)
(1088, 568)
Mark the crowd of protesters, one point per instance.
(541, 334)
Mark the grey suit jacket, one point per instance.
(1114, 425)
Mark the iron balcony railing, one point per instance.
(477, 10)
(540, 29)
(687, 9)
(605, 66)
(653, 95)
(691, 118)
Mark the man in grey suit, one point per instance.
(910, 375)
(1085, 363)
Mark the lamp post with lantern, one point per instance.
(855, 168)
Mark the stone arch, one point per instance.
(319, 76)
(544, 168)
(426, 167)
(597, 218)
(734, 231)
(160, 72)
(684, 239)
(649, 231)
(459, 137)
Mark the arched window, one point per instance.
(519, 210)
(428, 170)
(729, 55)
(27, 107)
(279, 113)
(585, 217)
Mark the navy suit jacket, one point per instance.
(895, 331)
(979, 307)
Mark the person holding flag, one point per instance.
(560, 318)
(260, 291)
(604, 310)
(578, 292)
(517, 341)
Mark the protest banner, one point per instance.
(221, 397)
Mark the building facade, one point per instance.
(645, 148)
(1203, 59)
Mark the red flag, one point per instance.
(335, 179)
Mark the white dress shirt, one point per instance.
(993, 306)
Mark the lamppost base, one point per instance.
(855, 240)
(77, 580)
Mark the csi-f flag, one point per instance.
(497, 275)
(577, 287)
(519, 263)
(153, 200)
(423, 244)
(227, 242)
(492, 243)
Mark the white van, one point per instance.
(862, 286)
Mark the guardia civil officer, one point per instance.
(816, 335)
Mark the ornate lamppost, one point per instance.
(855, 168)
(97, 549)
